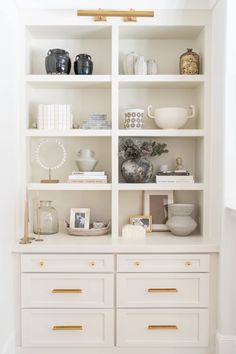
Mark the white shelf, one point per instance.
(69, 186)
(68, 81)
(161, 187)
(160, 81)
(156, 242)
(162, 132)
(68, 133)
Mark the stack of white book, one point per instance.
(87, 177)
(54, 116)
(175, 177)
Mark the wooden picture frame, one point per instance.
(156, 204)
(143, 220)
(79, 218)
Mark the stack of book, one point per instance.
(96, 121)
(87, 177)
(180, 176)
(54, 116)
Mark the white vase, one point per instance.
(140, 67)
(180, 221)
(86, 161)
(128, 63)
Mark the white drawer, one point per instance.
(162, 290)
(40, 290)
(163, 263)
(67, 328)
(67, 263)
(155, 328)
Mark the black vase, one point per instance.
(83, 65)
(137, 170)
(58, 61)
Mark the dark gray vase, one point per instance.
(137, 170)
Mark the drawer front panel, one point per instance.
(67, 290)
(162, 290)
(171, 328)
(67, 328)
(163, 263)
(67, 263)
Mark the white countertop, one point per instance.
(161, 242)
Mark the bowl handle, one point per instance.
(192, 109)
(149, 114)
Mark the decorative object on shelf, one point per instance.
(173, 177)
(142, 220)
(136, 168)
(86, 161)
(79, 218)
(83, 64)
(58, 61)
(129, 16)
(179, 164)
(171, 117)
(98, 224)
(96, 121)
(134, 118)
(189, 63)
(87, 177)
(152, 67)
(129, 63)
(133, 232)
(163, 168)
(51, 155)
(140, 67)
(45, 219)
(156, 204)
(54, 117)
(88, 232)
(180, 221)
(26, 238)
(37, 219)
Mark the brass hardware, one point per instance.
(41, 263)
(188, 264)
(159, 327)
(67, 328)
(162, 290)
(65, 291)
(92, 264)
(101, 15)
(137, 264)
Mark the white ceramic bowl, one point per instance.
(171, 117)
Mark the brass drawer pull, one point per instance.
(162, 290)
(188, 263)
(41, 263)
(137, 264)
(67, 328)
(65, 291)
(157, 327)
(92, 264)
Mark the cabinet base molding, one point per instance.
(225, 344)
(115, 350)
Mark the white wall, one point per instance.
(8, 124)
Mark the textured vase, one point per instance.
(58, 62)
(83, 65)
(137, 170)
(180, 221)
(140, 67)
(86, 161)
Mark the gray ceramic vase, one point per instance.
(137, 170)
(180, 221)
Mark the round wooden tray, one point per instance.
(88, 232)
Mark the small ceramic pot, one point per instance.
(134, 118)
(180, 221)
(140, 67)
(83, 65)
(58, 61)
(86, 161)
(171, 117)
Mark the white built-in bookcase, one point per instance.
(109, 91)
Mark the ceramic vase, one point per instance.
(128, 63)
(134, 118)
(137, 170)
(140, 67)
(180, 221)
(86, 160)
(83, 65)
(58, 62)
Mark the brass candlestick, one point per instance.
(26, 238)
